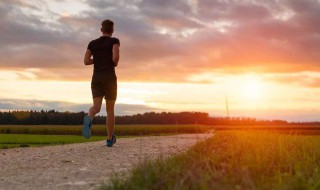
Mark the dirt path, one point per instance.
(85, 165)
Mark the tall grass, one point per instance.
(234, 160)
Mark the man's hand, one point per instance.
(87, 58)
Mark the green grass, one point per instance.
(23, 140)
(234, 160)
(100, 130)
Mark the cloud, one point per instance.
(164, 40)
(20, 104)
(303, 79)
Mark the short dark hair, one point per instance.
(107, 26)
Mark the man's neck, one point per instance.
(108, 35)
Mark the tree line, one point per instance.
(53, 117)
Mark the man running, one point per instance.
(105, 52)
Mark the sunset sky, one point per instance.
(181, 55)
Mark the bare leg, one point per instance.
(110, 117)
(96, 107)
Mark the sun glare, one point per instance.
(253, 88)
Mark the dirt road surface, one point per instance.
(84, 165)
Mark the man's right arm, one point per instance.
(115, 54)
(87, 58)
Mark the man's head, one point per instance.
(107, 27)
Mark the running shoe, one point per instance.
(114, 139)
(86, 129)
(109, 143)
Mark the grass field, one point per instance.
(234, 160)
(23, 140)
(39, 135)
(100, 130)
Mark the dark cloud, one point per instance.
(171, 14)
(167, 40)
(120, 109)
(20, 28)
(27, 41)
(245, 11)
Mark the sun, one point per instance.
(253, 88)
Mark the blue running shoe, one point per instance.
(86, 129)
(109, 143)
(114, 139)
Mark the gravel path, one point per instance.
(84, 165)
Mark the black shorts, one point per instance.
(104, 86)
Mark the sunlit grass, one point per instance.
(234, 160)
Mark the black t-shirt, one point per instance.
(101, 50)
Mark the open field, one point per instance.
(234, 160)
(24, 140)
(12, 136)
(100, 130)
(39, 135)
(133, 130)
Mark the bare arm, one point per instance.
(116, 54)
(87, 58)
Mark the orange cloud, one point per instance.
(304, 79)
